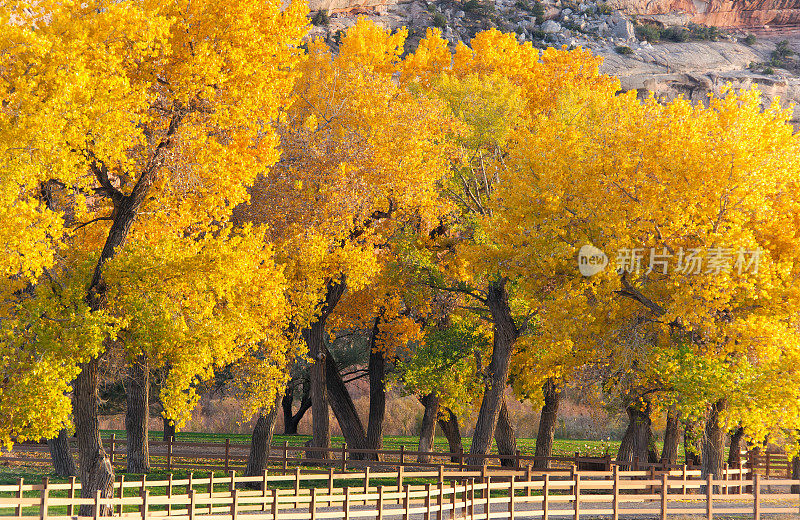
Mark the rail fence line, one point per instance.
(228, 456)
(477, 495)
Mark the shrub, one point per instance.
(704, 32)
(537, 10)
(675, 34)
(321, 18)
(439, 20)
(623, 50)
(769, 70)
(604, 8)
(750, 39)
(649, 32)
(473, 5)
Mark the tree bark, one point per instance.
(292, 420)
(669, 455)
(505, 438)
(428, 431)
(96, 473)
(168, 428)
(377, 393)
(95, 469)
(137, 413)
(691, 443)
(343, 408)
(637, 441)
(505, 335)
(714, 441)
(63, 463)
(735, 450)
(547, 423)
(448, 422)
(261, 441)
(315, 339)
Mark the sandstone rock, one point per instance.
(721, 13)
(622, 28)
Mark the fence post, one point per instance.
(191, 504)
(510, 498)
(275, 504)
(635, 463)
(71, 507)
(264, 486)
(227, 453)
(121, 493)
(344, 456)
(45, 493)
(545, 497)
(685, 476)
(313, 506)
(143, 486)
(709, 497)
(170, 440)
(664, 491)
(440, 497)
(112, 442)
(516, 459)
(20, 483)
(400, 472)
(296, 481)
(407, 503)
(366, 479)
(472, 498)
(232, 483)
(427, 515)
(615, 495)
(210, 488)
(441, 474)
(573, 471)
(528, 477)
(756, 496)
(285, 457)
(234, 504)
(402, 454)
(169, 494)
(577, 496)
(145, 500)
(380, 503)
(725, 470)
(461, 458)
(607, 461)
(97, 504)
(347, 503)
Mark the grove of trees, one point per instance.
(196, 191)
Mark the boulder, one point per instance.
(551, 27)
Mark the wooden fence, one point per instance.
(228, 456)
(509, 494)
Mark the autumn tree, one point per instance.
(147, 116)
(351, 173)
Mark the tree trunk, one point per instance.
(505, 335)
(261, 441)
(637, 439)
(691, 443)
(315, 339)
(672, 433)
(547, 423)
(169, 429)
(290, 420)
(428, 431)
(735, 450)
(63, 463)
(137, 413)
(377, 393)
(714, 441)
(344, 409)
(96, 473)
(505, 438)
(448, 422)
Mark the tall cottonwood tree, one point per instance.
(350, 175)
(149, 84)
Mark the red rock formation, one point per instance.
(775, 14)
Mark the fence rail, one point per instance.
(228, 456)
(446, 495)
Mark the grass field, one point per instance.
(10, 473)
